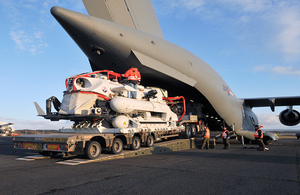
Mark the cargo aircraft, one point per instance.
(6, 129)
(119, 34)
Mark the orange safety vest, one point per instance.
(256, 135)
(207, 134)
(133, 74)
(224, 134)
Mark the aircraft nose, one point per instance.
(75, 23)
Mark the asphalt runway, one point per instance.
(193, 171)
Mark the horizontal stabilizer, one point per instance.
(272, 102)
(39, 110)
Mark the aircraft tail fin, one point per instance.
(39, 109)
(138, 14)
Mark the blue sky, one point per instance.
(253, 44)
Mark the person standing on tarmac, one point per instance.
(206, 136)
(226, 137)
(259, 138)
(133, 79)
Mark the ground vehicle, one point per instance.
(104, 117)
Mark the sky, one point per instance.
(253, 44)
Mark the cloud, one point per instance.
(279, 70)
(269, 120)
(186, 4)
(271, 25)
(286, 70)
(288, 38)
(192, 4)
(183, 8)
(248, 5)
(26, 31)
(261, 68)
(29, 21)
(37, 125)
(218, 9)
(29, 42)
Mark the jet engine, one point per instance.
(289, 117)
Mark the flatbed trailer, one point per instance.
(91, 144)
(106, 117)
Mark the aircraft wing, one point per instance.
(272, 102)
(5, 124)
(138, 14)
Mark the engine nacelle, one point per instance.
(289, 117)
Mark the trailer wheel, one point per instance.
(188, 132)
(150, 141)
(92, 150)
(193, 130)
(136, 143)
(117, 146)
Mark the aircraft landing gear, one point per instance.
(243, 142)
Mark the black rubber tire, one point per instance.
(188, 132)
(150, 141)
(92, 150)
(193, 130)
(267, 141)
(117, 146)
(136, 143)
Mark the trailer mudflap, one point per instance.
(79, 149)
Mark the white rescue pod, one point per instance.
(97, 102)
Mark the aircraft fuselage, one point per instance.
(116, 47)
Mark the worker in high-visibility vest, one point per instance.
(226, 137)
(259, 138)
(206, 136)
(133, 79)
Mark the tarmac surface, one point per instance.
(192, 171)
